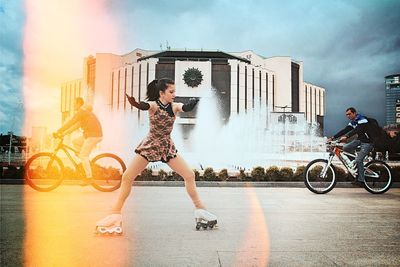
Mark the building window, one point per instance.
(245, 87)
(259, 78)
(237, 83)
(147, 73)
(91, 73)
(140, 80)
(266, 87)
(252, 85)
(119, 87)
(126, 71)
(70, 97)
(132, 84)
(315, 103)
(273, 92)
(112, 89)
(306, 102)
(75, 90)
(62, 98)
(311, 103)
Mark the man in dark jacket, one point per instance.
(358, 125)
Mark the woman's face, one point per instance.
(169, 94)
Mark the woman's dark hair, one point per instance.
(154, 88)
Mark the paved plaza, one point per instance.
(257, 227)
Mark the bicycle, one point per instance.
(45, 171)
(320, 174)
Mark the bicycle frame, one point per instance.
(65, 148)
(337, 151)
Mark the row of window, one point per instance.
(121, 86)
(246, 93)
(316, 107)
(70, 91)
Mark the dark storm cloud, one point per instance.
(375, 30)
(365, 51)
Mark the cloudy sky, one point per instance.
(347, 47)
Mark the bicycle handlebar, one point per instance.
(57, 135)
(334, 143)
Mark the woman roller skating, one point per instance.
(158, 146)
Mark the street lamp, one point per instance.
(284, 124)
(19, 105)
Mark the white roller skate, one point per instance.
(112, 224)
(204, 219)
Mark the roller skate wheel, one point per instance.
(101, 230)
(212, 224)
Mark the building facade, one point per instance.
(392, 88)
(69, 91)
(240, 80)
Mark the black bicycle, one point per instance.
(320, 174)
(45, 171)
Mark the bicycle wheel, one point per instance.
(107, 172)
(378, 177)
(44, 171)
(314, 179)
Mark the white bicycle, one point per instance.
(320, 174)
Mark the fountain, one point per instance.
(245, 141)
(248, 140)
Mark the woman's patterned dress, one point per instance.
(158, 145)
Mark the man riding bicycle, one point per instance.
(85, 119)
(358, 125)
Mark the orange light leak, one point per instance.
(60, 224)
(60, 228)
(256, 243)
(57, 37)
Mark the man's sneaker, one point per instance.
(357, 183)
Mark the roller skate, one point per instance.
(112, 224)
(204, 219)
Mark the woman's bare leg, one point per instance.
(180, 167)
(135, 167)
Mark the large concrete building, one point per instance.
(241, 81)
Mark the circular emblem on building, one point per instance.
(193, 77)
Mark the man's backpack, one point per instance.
(377, 135)
(394, 144)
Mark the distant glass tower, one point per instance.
(392, 83)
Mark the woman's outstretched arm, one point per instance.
(190, 105)
(141, 105)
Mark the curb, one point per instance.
(210, 184)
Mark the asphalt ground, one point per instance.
(257, 226)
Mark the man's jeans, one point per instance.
(365, 149)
